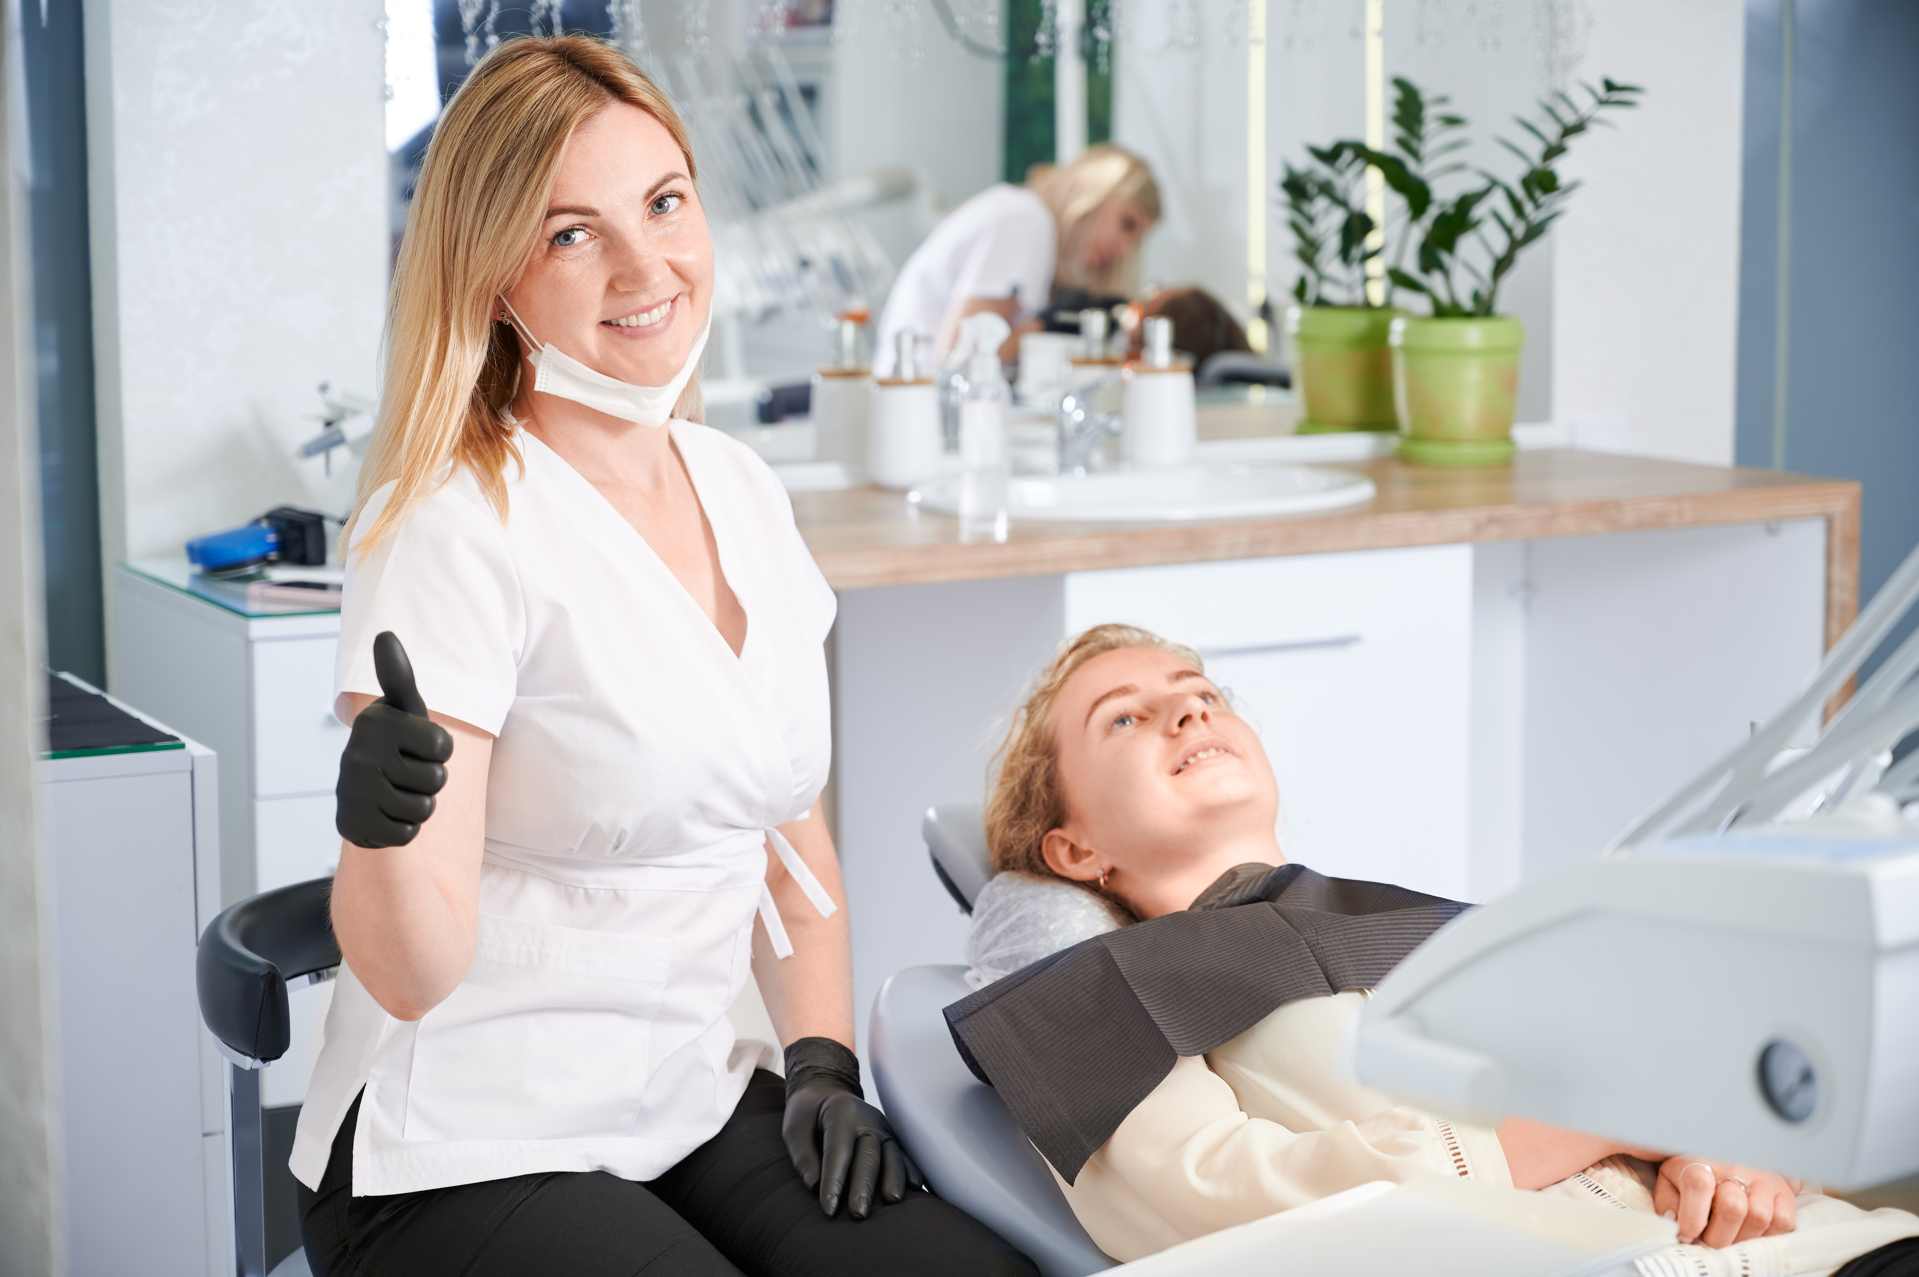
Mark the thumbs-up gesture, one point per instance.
(393, 761)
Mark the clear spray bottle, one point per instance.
(985, 401)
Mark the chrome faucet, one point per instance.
(1079, 430)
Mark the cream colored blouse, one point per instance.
(1273, 1119)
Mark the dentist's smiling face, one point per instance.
(1154, 763)
(621, 275)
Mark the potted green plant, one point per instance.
(1342, 366)
(1456, 371)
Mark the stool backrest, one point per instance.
(247, 956)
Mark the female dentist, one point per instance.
(1006, 249)
(617, 691)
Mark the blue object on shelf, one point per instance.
(234, 548)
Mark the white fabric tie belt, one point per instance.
(770, 912)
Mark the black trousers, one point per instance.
(734, 1205)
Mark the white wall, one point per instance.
(1185, 111)
(30, 1226)
(1646, 265)
(238, 202)
(905, 93)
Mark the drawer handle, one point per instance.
(1301, 645)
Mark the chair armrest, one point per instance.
(249, 953)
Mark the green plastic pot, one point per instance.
(1454, 385)
(1342, 369)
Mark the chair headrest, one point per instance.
(955, 836)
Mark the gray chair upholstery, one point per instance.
(960, 1134)
(955, 1127)
(1238, 367)
(955, 836)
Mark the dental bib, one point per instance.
(557, 373)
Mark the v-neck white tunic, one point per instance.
(639, 768)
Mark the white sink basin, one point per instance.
(1221, 490)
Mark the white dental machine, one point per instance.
(1737, 979)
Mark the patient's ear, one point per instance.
(1067, 858)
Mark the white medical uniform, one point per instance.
(1002, 239)
(638, 771)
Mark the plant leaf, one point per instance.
(1408, 281)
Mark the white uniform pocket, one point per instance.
(549, 1037)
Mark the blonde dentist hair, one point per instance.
(451, 370)
(1074, 191)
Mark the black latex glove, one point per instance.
(839, 1143)
(392, 764)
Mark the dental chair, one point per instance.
(956, 1129)
(973, 1155)
(247, 959)
(1241, 368)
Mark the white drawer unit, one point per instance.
(297, 741)
(258, 691)
(130, 866)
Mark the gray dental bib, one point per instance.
(1075, 1041)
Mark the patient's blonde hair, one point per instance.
(451, 371)
(1074, 191)
(1027, 799)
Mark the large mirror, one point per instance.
(834, 136)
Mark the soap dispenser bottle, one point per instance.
(1158, 416)
(985, 402)
(903, 423)
(841, 391)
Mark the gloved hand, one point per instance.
(391, 766)
(839, 1143)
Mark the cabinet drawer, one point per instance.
(1264, 604)
(296, 741)
(294, 840)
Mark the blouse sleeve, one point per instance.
(443, 580)
(1189, 1161)
(1014, 249)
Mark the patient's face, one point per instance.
(1157, 767)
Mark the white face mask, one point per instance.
(557, 373)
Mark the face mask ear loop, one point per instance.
(533, 343)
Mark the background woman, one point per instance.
(1007, 249)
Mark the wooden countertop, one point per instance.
(867, 537)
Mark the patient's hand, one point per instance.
(1719, 1203)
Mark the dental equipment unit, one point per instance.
(1739, 976)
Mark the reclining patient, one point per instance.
(1189, 1071)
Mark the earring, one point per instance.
(1103, 871)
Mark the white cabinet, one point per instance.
(1451, 717)
(258, 691)
(1353, 669)
(130, 862)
